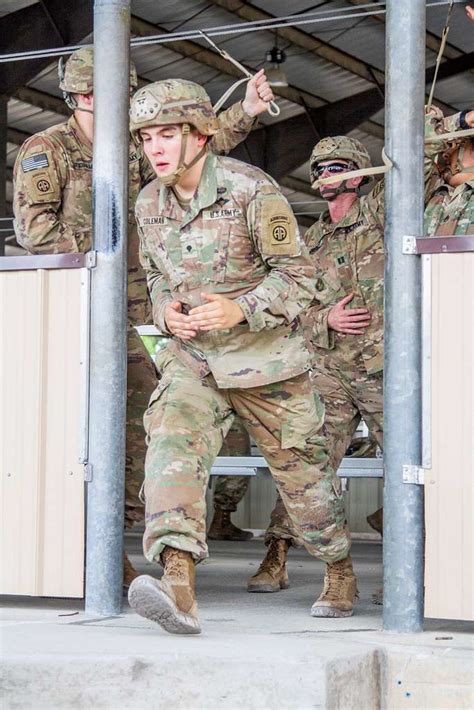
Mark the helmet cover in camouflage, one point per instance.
(77, 76)
(173, 101)
(340, 148)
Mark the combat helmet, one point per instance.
(339, 148)
(76, 76)
(171, 102)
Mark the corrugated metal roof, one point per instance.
(361, 38)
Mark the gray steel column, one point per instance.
(108, 358)
(3, 169)
(403, 503)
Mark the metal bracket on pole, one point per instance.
(447, 244)
(409, 245)
(87, 472)
(413, 474)
(91, 259)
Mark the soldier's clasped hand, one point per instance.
(219, 313)
(351, 321)
(177, 322)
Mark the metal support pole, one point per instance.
(3, 169)
(403, 514)
(108, 355)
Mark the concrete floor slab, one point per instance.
(256, 650)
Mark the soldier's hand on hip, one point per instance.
(178, 323)
(257, 94)
(470, 12)
(219, 313)
(351, 321)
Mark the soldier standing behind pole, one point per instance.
(228, 277)
(53, 214)
(345, 326)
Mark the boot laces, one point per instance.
(174, 566)
(274, 559)
(336, 579)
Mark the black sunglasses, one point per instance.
(332, 168)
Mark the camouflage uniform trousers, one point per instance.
(229, 490)
(349, 395)
(186, 423)
(141, 381)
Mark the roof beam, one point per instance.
(370, 101)
(42, 100)
(40, 25)
(247, 11)
(210, 58)
(298, 185)
(16, 137)
(432, 41)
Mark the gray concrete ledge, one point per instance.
(256, 651)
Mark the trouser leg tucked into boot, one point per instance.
(272, 575)
(222, 527)
(169, 601)
(129, 571)
(340, 591)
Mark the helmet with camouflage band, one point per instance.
(174, 102)
(339, 148)
(76, 76)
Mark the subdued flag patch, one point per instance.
(35, 162)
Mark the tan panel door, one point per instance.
(42, 487)
(449, 500)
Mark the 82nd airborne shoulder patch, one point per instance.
(279, 229)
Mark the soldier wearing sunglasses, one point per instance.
(344, 327)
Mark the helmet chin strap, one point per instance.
(176, 175)
(331, 193)
(71, 103)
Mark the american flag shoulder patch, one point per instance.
(35, 162)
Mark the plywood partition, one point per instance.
(41, 425)
(449, 499)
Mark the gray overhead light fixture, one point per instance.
(275, 74)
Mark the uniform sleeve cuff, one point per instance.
(255, 319)
(323, 335)
(159, 316)
(241, 120)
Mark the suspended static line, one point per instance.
(222, 30)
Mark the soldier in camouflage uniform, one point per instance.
(53, 214)
(228, 277)
(345, 325)
(450, 206)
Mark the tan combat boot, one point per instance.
(223, 529)
(129, 571)
(170, 601)
(272, 575)
(375, 521)
(340, 591)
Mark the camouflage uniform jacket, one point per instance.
(349, 258)
(449, 210)
(237, 237)
(53, 195)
